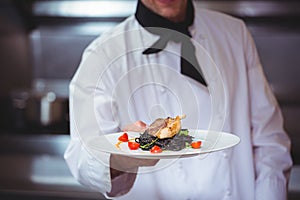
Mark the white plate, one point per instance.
(211, 141)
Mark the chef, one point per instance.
(168, 59)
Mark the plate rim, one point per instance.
(163, 155)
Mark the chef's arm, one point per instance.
(94, 169)
(271, 144)
(89, 166)
(123, 169)
(92, 114)
(122, 178)
(119, 162)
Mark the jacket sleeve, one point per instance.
(92, 113)
(271, 144)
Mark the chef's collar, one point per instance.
(168, 30)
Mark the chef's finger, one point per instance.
(138, 126)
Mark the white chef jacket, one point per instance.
(116, 85)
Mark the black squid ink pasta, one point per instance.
(175, 143)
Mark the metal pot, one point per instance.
(46, 108)
(38, 108)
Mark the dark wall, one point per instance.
(15, 67)
(15, 62)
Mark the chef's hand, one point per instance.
(138, 126)
(124, 164)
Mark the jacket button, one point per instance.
(228, 192)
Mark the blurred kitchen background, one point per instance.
(40, 48)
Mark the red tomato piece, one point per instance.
(196, 144)
(133, 145)
(123, 138)
(156, 149)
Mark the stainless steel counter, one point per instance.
(32, 167)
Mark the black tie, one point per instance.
(178, 32)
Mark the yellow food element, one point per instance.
(118, 144)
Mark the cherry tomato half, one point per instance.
(156, 149)
(133, 145)
(196, 144)
(123, 138)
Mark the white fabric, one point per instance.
(116, 85)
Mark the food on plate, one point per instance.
(123, 137)
(167, 135)
(196, 144)
(176, 143)
(165, 128)
(162, 134)
(133, 145)
(156, 149)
